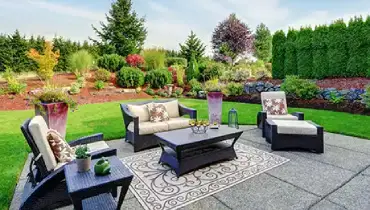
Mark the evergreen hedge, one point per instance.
(278, 54)
(304, 53)
(320, 52)
(337, 49)
(290, 64)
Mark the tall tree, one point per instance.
(18, 49)
(232, 36)
(304, 53)
(290, 65)
(337, 49)
(192, 46)
(278, 54)
(320, 52)
(263, 43)
(124, 33)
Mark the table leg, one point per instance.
(77, 203)
(234, 141)
(122, 195)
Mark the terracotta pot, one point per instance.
(55, 115)
(83, 165)
(214, 107)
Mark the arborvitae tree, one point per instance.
(18, 48)
(5, 53)
(320, 52)
(278, 54)
(337, 49)
(357, 35)
(124, 31)
(192, 70)
(263, 43)
(192, 46)
(367, 44)
(304, 53)
(290, 65)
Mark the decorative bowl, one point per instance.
(199, 126)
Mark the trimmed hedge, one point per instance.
(320, 52)
(130, 77)
(278, 54)
(290, 64)
(158, 78)
(337, 49)
(304, 53)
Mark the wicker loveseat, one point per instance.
(139, 130)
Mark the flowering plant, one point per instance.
(135, 60)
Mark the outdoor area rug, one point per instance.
(157, 187)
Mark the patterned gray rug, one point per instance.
(157, 187)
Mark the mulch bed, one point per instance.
(87, 95)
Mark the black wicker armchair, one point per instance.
(47, 189)
(141, 142)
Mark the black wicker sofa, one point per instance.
(143, 139)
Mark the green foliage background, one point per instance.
(278, 54)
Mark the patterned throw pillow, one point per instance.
(274, 106)
(157, 112)
(61, 149)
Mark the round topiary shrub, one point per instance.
(111, 62)
(158, 78)
(130, 77)
(102, 75)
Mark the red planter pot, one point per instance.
(214, 107)
(55, 116)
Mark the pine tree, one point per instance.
(320, 52)
(124, 31)
(18, 49)
(5, 53)
(278, 54)
(263, 43)
(337, 49)
(193, 70)
(304, 53)
(192, 46)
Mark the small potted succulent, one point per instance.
(83, 159)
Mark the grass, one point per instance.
(107, 118)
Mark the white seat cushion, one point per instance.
(140, 111)
(177, 123)
(299, 127)
(149, 127)
(172, 108)
(38, 130)
(282, 117)
(96, 146)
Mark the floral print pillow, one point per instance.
(274, 106)
(157, 113)
(62, 151)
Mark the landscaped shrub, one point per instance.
(130, 77)
(304, 53)
(14, 85)
(80, 62)
(211, 70)
(99, 85)
(300, 88)
(158, 78)
(234, 89)
(358, 52)
(170, 61)
(320, 57)
(227, 76)
(149, 91)
(193, 70)
(366, 97)
(154, 58)
(102, 74)
(241, 75)
(162, 93)
(135, 60)
(290, 63)
(337, 49)
(75, 89)
(213, 86)
(195, 86)
(180, 74)
(81, 81)
(111, 62)
(278, 54)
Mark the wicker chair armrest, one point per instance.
(300, 115)
(186, 110)
(87, 139)
(261, 118)
(128, 117)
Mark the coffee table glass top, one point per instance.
(183, 137)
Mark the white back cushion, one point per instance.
(38, 130)
(274, 95)
(172, 108)
(140, 111)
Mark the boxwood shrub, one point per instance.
(158, 78)
(111, 62)
(301, 88)
(130, 77)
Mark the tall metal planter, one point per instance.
(214, 107)
(55, 115)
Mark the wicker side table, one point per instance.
(88, 191)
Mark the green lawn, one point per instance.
(107, 118)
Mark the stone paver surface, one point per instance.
(338, 179)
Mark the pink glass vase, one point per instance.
(214, 107)
(55, 116)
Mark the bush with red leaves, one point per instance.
(135, 60)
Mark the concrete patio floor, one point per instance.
(337, 179)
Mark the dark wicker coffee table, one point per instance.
(185, 151)
(88, 191)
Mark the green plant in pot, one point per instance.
(102, 167)
(83, 159)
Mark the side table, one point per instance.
(88, 191)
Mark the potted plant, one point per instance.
(83, 159)
(52, 104)
(214, 98)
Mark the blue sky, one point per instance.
(170, 21)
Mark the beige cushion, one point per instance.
(282, 117)
(274, 95)
(149, 127)
(178, 123)
(96, 146)
(140, 111)
(298, 127)
(38, 130)
(172, 108)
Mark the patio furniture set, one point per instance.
(52, 184)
